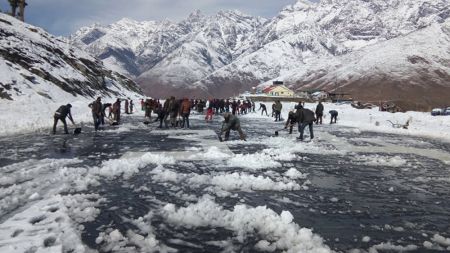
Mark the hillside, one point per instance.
(412, 70)
(39, 72)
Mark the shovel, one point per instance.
(277, 132)
(77, 130)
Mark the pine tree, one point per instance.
(14, 4)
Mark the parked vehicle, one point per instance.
(440, 111)
(447, 111)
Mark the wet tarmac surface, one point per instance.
(348, 196)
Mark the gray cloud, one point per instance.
(62, 17)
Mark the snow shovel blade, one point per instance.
(146, 122)
(77, 131)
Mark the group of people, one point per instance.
(305, 117)
(176, 112)
(99, 111)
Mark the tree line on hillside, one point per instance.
(18, 8)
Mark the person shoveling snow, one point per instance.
(61, 114)
(231, 122)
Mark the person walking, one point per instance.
(61, 114)
(126, 106)
(278, 107)
(209, 113)
(334, 114)
(305, 117)
(116, 111)
(131, 106)
(97, 112)
(185, 111)
(169, 106)
(319, 113)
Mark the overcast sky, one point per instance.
(62, 17)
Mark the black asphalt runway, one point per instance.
(346, 199)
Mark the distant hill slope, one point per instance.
(413, 70)
(39, 72)
(34, 63)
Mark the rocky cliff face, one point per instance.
(231, 52)
(35, 64)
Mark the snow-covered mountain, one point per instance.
(167, 54)
(39, 73)
(413, 70)
(34, 63)
(230, 52)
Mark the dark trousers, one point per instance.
(97, 121)
(319, 117)
(301, 129)
(161, 118)
(333, 118)
(117, 117)
(185, 120)
(264, 110)
(55, 122)
(236, 128)
(291, 127)
(277, 116)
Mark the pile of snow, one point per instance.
(277, 231)
(130, 164)
(377, 160)
(224, 181)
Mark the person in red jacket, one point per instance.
(209, 112)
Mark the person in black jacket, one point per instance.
(61, 114)
(319, 113)
(292, 119)
(305, 117)
(264, 109)
(334, 115)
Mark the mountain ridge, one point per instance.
(229, 52)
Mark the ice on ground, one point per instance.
(30, 180)
(253, 161)
(49, 225)
(224, 181)
(278, 231)
(293, 173)
(441, 240)
(378, 160)
(211, 153)
(115, 241)
(130, 164)
(382, 247)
